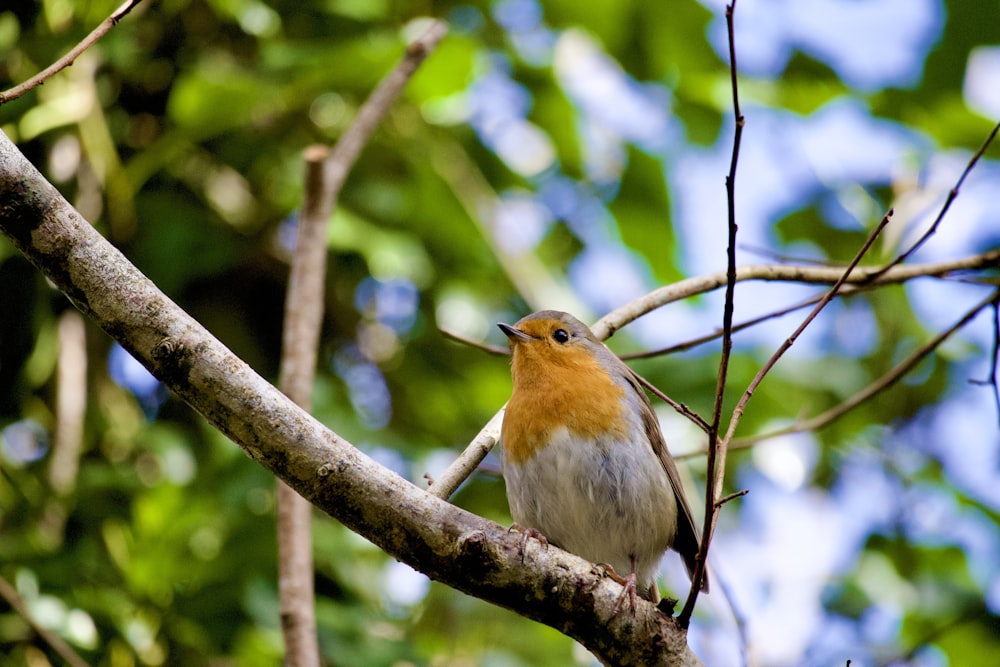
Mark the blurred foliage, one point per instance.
(179, 137)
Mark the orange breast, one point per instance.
(571, 391)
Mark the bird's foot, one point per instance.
(526, 534)
(628, 590)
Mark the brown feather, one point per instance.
(687, 540)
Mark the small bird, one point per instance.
(583, 457)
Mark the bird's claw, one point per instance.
(526, 534)
(628, 590)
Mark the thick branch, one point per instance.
(448, 544)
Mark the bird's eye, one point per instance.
(560, 336)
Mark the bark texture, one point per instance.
(448, 544)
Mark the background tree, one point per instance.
(572, 156)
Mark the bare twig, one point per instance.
(495, 350)
(768, 253)
(58, 644)
(952, 194)
(716, 448)
(679, 407)
(739, 616)
(707, 338)
(866, 276)
(732, 496)
(299, 351)
(887, 380)
(371, 113)
(74, 53)
(765, 369)
(470, 458)
(326, 172)
(991, 379)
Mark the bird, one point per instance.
(584, 460)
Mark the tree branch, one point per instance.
(58, 644)
(446, 543)
(326, 172)
(74, 53)
(873, 389)
(717, 448)
(817, 275)
(952, 194)
(991, 378)
(766, 368)
(71, 402)
(370, 115)
(707, 338)
(470, 458)
(862, 277)
(495, 350)
(299, 350)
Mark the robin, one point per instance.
(584, 460)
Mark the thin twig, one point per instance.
(470, 458)
(58, 644)
(716, 448)
(765, 369)
(991, 379)
(779, 257)
(742, 627)
(732, 496)
(495, 350)
(863, 276)
(887, 380)
(74, 53)
(952, 194)
(679, 407)
(707, 338)
(371, 113)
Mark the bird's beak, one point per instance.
(513, 333)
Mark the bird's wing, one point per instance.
(687, 539)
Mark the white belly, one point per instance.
(607, 502)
